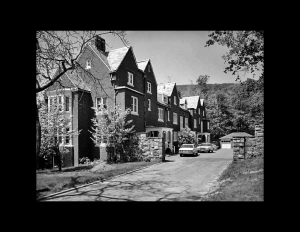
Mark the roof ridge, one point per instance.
(143, 60)
(119, 48)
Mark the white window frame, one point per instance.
(175, 100)
(149, 87)
(101, 101)
(135, 112)
(160, 113)
(130, 79)
(168, 115)
(149, 104)
(88, 64)
(195, 123)
(175, 118)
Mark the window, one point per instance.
(134, 105)
(149, 105)
(175, 103)
(88, 64)
(199, 111)
(67, 136)
(181, 122)
(148, 87)
(165, 99)
(175, 136)
(175, 118)
(201, 126)
(169, 136)
(59, 99)
(67, 106)
(130, 79)
(101, 103)
(168, 115)
(160, 114)
(195, 123)
(186, 122)
(203, 113)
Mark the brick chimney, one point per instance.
(100, 43)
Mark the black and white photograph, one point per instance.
(150, 116)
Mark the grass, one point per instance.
(241, 181)
(52, 181)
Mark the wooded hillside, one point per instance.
(231, 107)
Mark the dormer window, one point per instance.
(130, 79)
(88, 64)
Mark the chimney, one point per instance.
(100, 43)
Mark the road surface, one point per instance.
(178, 179)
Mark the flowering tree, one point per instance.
(186, 136)
(55, 126)
(112, 128)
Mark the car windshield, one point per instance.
(205, 144)
(187, 146)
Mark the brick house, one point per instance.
(105, 78)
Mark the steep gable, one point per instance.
(166, 88)
(192, 102)
(115, 57)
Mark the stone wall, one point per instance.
(152, 147)
(248, 148)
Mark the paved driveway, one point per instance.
(178, 179)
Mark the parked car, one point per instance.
(205, 147)
(188, 149)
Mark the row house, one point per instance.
(105, 78)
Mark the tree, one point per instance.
(112, 127)
(187, 136)
(56, 53)
(55, 126)
(202, 82)
(246, 50)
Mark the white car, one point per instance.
(205, 147)
(188, 149)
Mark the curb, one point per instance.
(95, 182)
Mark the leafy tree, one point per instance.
(55, 126)
(56, 53)
(202, 82)
(246, 50)
(186, 136)
(112, 127)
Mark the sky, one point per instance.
(178, 56)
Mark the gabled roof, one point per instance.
(236, 134)
(192, 102)
(166, 88)
(142, 64)
(102, 56)
(115, 57)
(77, 81)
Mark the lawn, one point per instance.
(241, 181)
(51, 181)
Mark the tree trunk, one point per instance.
(38, 138)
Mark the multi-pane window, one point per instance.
(149, 87)
(160, 114)
(149, 105)
(181, 122)
(175, 102)
(88, 64)
(195, 123)
(67, 104)
(67, 136)
(175, 136)
(134, 105)
(175, 118)
(101, 103)
(130, 79)
(186, 122)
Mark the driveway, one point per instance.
(178, 179)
